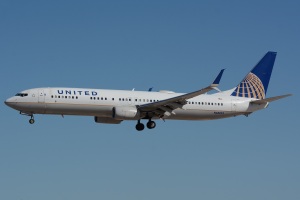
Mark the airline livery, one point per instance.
(114, 106)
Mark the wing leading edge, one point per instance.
(166, 107)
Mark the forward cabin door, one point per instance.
(41, 100)
(41, 96)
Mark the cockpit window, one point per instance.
(22, 94)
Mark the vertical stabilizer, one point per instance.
(255, 84)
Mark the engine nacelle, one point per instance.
(106, 120)
(125, 113)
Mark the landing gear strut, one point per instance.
(31, 121)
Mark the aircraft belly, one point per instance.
(200, 114)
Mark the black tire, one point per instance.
(151, 124)
(31, 121)
(140, 127)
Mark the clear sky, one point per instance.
(173, 45)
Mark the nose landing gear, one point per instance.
(31, 121)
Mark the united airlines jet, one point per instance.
(115, 106)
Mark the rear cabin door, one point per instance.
(233, 106)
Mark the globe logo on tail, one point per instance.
(250, 87)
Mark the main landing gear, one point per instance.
(140, 126)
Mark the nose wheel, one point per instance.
(31, 121)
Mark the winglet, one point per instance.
(217, 80)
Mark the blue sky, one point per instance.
(173, 45)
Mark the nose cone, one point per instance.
(9, 102)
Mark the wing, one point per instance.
(165, 107)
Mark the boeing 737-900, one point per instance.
(115, 106)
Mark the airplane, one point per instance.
(115, 106)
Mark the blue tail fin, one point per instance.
(255, 84)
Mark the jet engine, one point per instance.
(125, 113)
(106, 120)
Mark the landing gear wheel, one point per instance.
(151, 124)
(140, 126)
(31, 121)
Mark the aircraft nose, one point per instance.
(9, 102)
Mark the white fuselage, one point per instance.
(100, 103)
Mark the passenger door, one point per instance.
(41, 96)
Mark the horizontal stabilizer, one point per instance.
(267, 100)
